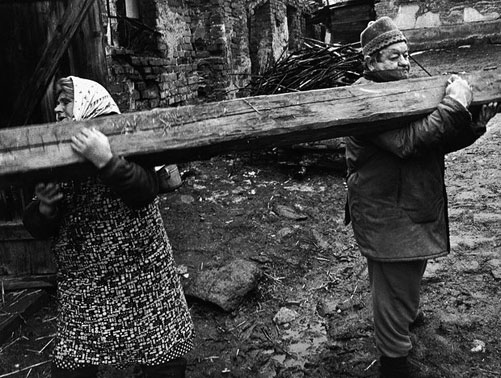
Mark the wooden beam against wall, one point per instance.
(32, 92)
(197, 132)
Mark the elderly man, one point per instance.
(396, 193)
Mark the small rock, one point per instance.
(326, 307)
(478, 346)
(496, 273)
(284, 232)
(470, 242)
(431, 272)
(182, 270)
(285, 315)
(467, 196)
(269, 369)
(238, 190)
(320, 241)
(280, 358)
(450, 323)
(263, 259)
(455, 213)
(494, 263)
(289, 213)
(467, 266)
(487, 218)
(186, 198)
(349, 325)
(304, 188)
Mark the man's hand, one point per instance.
(459, 89)
(484, 116)
(92, 145)
(49, 196)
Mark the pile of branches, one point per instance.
(316, 65)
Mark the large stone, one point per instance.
(225, 286)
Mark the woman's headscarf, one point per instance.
(91, 99)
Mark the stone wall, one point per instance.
(187, 51)
(151, 60)
(220, 38)
(276, 27)
(440, 23)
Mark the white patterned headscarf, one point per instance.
(91, 99)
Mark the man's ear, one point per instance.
(369, 63)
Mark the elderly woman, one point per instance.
(120, 299)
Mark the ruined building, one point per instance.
(426, 23)
(176, 52)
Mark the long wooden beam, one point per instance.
(200, 131)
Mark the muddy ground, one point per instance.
(227, 208)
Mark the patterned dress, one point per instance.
(120, 298)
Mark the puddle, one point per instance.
(303, 344)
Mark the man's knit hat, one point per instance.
(380, 34)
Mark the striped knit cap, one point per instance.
(380, 34)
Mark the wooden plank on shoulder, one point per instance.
(200, 131)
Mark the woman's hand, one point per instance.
(92, 145)
(49, 196)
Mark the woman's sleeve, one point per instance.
(39, 226)
(136, 185)
(449, 125)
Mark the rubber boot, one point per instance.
(172, 369)
(394, 367)
(86, 372)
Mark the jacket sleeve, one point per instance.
(466, 135)
(39, 226)
(448, 127)
(136, 185)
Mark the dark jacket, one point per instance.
(396, 192)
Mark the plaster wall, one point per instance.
(431, 23)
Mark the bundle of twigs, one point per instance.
(316, 65)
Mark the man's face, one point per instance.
(393, 57)
(64, 108)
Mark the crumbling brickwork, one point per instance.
(276, 26)
(151, 60)
(438, 23)
(220, 39)
(176, 52)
